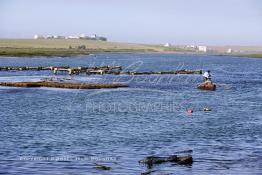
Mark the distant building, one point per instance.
(101, 38)
(73, 37)
(81, 36)
(229, 50)
(49, 37)
(60, 37)
(98, 38)
(202, 48)
(191, 46)
(38, 37)
(93, 36)
(167, 45)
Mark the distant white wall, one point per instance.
(202, 48)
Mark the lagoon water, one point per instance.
(61, 131)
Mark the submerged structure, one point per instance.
(62, 85)
(115, 70)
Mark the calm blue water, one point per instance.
(60, 131)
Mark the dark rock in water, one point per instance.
(61, 85)
(147, 173)
(185, 71)
(184, 160)
(152, 160)
(102, 167)
(184, 151)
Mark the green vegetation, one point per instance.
(254, 55)
(48, 52)
(60, 52)
(75, 47)
(70, 47)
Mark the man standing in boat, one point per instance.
(207, 84)
(207, 76)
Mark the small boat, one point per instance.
(207, 85)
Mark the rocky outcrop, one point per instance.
(152, 160)
(102, 167)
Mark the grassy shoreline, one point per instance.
(31, 52)
(59, 52)
(78, 47)
(67, 48)
(252, 55)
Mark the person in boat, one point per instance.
(207, 76)
(207, 84)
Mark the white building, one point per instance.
(191, 46)
(73, 37)
(38, 37)
(82, 35)
(93, 36)
(167, 45)
(229, 50)
(202, 48)
(61, 37)
(49, 37)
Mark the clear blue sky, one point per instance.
(211, 22)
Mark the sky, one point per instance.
(194, 22)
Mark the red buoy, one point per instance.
(190, 111)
